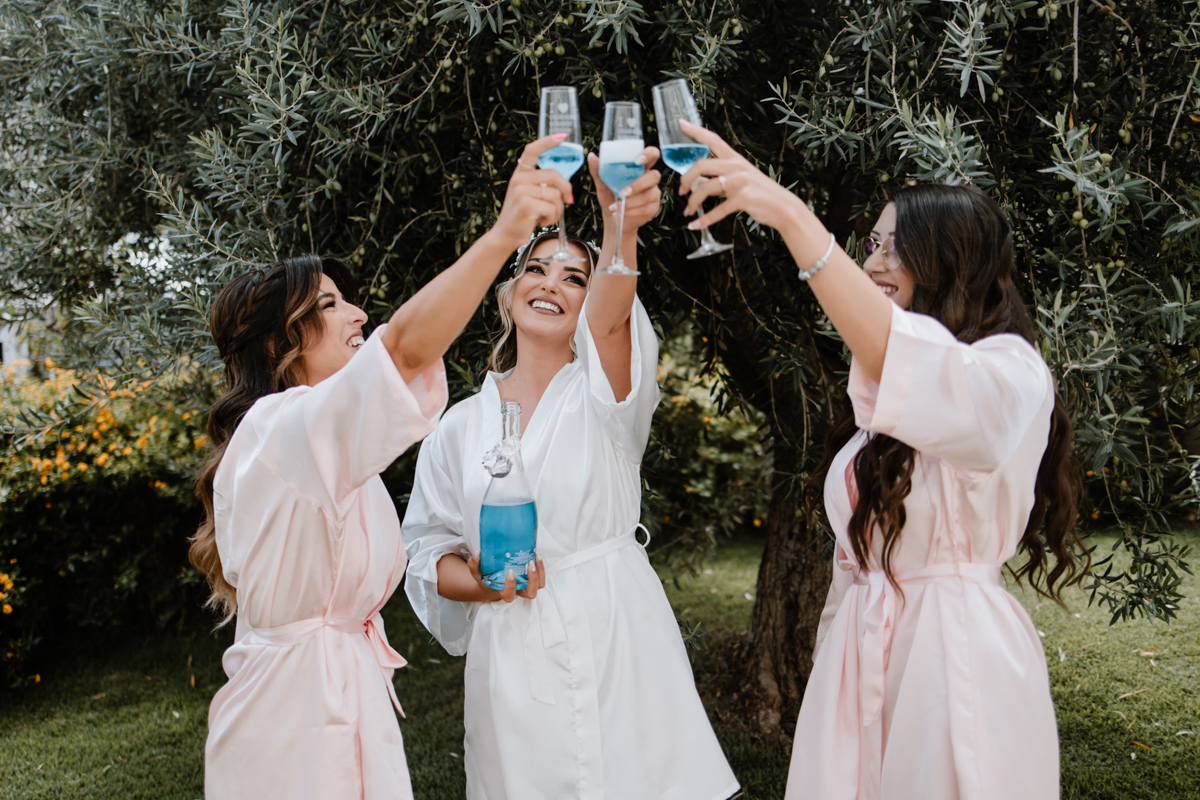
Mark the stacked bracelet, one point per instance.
(806, 274)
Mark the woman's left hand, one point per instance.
(643, 198)
(744, 186)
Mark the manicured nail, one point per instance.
(560, 136)
(572, 200)
(694, 225)
(628, 190)
(533, 566)
(640, 160)
(613, 207)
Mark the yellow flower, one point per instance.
(758, 523)
(159, 485)
(103, 457)
(127, 451)
(82, 467)
(37, 678)
(6, 608)
(49, 364)
(201, 440)
(185, 416)
(44, 480)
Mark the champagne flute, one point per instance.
(619, 151)
(559, 113)
(673, 100)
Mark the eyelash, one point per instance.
(577, 280)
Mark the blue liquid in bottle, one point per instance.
(566, 159)
(681, 157)
(507, 536)
(507, 518)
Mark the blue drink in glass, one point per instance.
(566, 159)
(618, 163)
(681, 157)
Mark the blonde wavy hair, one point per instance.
(504, 344)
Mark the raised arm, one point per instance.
(610, 300)
(855, 306)
(423, 328)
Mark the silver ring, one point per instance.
(721, 180)
(521, 163)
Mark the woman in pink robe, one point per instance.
(301, 541)
(929, 679)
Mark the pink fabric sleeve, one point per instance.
(970, 405)
(627, 423)
(330, 439)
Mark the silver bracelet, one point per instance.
(806, 274)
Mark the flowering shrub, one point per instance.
(95, 511)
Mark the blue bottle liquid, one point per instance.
(508, 535)
(508, 517)
(566, 159)
(681, 157)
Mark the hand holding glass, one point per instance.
(673, 101)
(619, 150)
(559, 113)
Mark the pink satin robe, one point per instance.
(309, 536)
(942, 693)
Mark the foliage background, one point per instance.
(153, 149)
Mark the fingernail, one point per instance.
(532, 566)
(560, 136)
(613, 207)
(628, 190)
(694, 225)
(640, 160)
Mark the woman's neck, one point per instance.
(538, 361)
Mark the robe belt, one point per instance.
(293, 633)
(544, 626)
(878, 616)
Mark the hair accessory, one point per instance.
(519, 260)
(806, 274)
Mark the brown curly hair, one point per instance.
(261, 321)
(957, 245)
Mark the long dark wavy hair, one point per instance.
(957, 245)
(262, 321)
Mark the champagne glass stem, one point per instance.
(619, 256)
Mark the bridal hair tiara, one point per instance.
(519, 261)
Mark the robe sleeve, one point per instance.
(968, 404)
(328, 440)
(627, 423)
(432, 528)
(843, 579)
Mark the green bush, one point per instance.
(93, 517)
(707, 470)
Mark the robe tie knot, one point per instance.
(878, 620)
(293, 633)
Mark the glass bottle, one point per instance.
(508, 518)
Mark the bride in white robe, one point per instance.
(581, 686)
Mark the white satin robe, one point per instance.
(309, 536)
(943, 693)
(586, 691)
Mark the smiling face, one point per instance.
(883, 265)
(341, 338)
(548, 295)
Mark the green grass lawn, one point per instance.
(128, 723)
